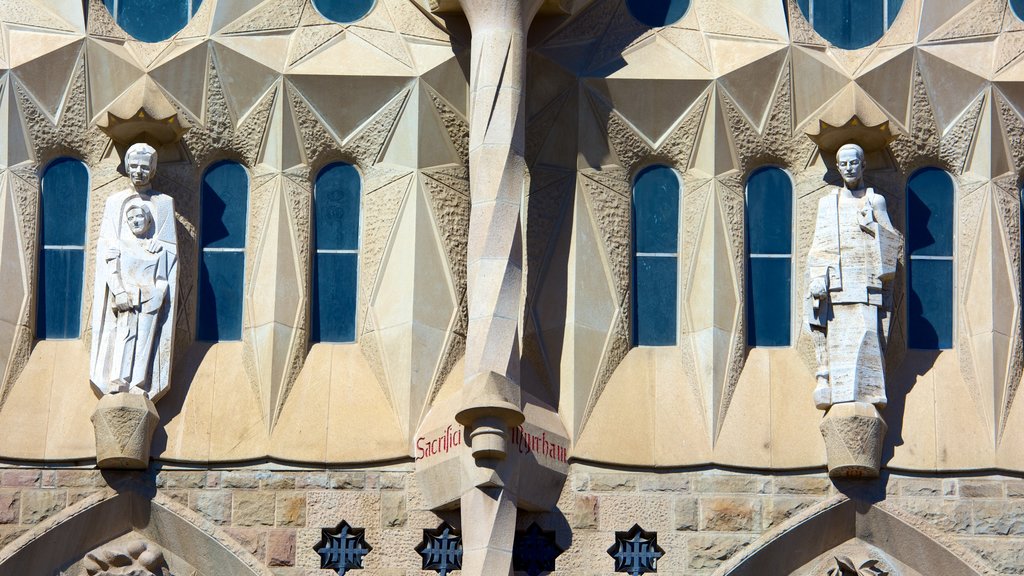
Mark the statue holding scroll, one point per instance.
(849, 268)
(136, 282)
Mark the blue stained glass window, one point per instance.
(224, 204)
(850, 24)
(656, 193)
(343, 11)
(152, 20)
(930, 213)
(1017, 6)
(64, 200)
(656, 13)
(335, 267)
(769, 223)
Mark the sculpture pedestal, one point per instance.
(124, 426)
(853, 433)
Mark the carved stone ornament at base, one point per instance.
(124, 425)
(853, 433)
(135, 558)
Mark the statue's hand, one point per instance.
(153, 246)
(866, 219)
(113, 253)
(818, 287)
(122, 303)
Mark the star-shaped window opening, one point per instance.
(535, 551)
(343, 548)
(636, 551)
(441, 549)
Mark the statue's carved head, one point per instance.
(140, 163)
(850, 161)
(139, 218)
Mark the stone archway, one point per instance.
(853, 537)
(60, 545)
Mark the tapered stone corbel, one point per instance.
(490, 410)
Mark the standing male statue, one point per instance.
(850, 265)
(135, 289)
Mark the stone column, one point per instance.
(497, 174)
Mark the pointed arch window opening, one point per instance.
(64, 205)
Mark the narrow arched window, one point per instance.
(225, 203)
(930, 198)
(850, 24)
(656, 193)
(336, 263)
(64, 200)
(152, 20)
(769, 234)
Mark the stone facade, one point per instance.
(497, 145)
(702, 518)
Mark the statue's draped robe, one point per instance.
(142, 349)
(855, 264)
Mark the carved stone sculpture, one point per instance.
(849, 267)
(133, 310)
(135, 558)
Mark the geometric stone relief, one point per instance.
(412, 328)
(18, 261)
(276, 300)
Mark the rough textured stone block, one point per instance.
(585, 513)
(732, 483)
(38, 505)
(21, 478)
(291, 509)
(281, 548)
(781, 508)
(665, 483)
(921, 487)
(686, 514)
(729, 514)
(239, 480)
(802, 485)
(981, 489)
(10, 507)
(253, 508)
(999, 518)
(708, 551)
(214, 504)
(79, 479)
(946, 515)
(392, 509)
(612, 482)
(276, 481)
(348, 480)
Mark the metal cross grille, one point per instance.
(343, 548)
(441, 549)
(636, 552)
(534, 551)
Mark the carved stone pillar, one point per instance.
(497, 174)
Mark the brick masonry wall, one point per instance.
(702, 517)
